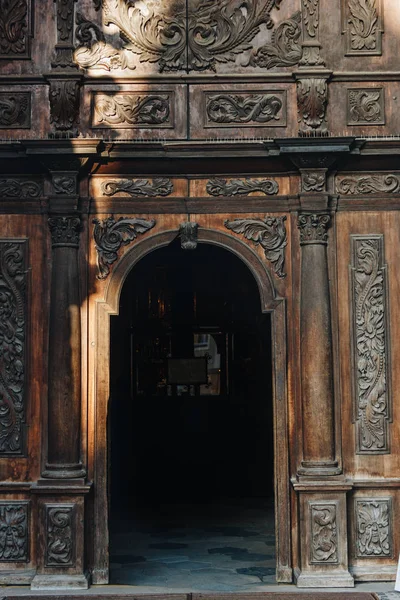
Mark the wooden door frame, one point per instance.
(108, 306)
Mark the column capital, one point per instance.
(314, 228)
(65, 231)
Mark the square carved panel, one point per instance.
(366, 106)
(15, 110)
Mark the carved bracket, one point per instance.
(64, 96)
(188, 235)
(312, 101)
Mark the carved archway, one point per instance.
(270, 303)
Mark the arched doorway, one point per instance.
(270, 312)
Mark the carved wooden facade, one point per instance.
(268, 127)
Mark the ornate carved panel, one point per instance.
(285, 48)
(13, 279)
(241, 187)
(64, 96)
(324, 542)
(372, 401)
(19, 189)
(15, 110)
(15, 29)
(247, 109)
(312, 101)
(14, 529)
(363, 26)
(366, 106)
(130, 110)
(269, 233)
(60, 535)
(149, 188)
(313, 181)
(374, 535)
(357, 185)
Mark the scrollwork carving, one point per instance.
(368, 184)
(324, 534)
(370, 345)
(314, 228)
(239, 187)
(312, 100)
(14, 40)
(60, 549)
(364, 35)
(15, 110)
(110, 235)
(159, 186)
(269, 233)
(14, 188)
(127, 110)
(373, 528)
(12, 345)
(285, 48)
(252, 108)
(14, 532)
(366, 107)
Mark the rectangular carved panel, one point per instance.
(245, 109)
(13, 278)
(14, 531)
(374, 536)
(60, 535)
(363, 26)
(372, 402)
(366, 106)
(324, 541)
(15, 110)
(129, 110)
(15, 25)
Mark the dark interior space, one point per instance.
(190, 426)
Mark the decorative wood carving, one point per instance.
(15, 110)
(188, 235)
(19, 189)
(366, 107)
(12, 345)
(14, 29)
(132, 110)
(284, 50)
(363, 26)
(14, 532)
(64, 103)
(355, 185)
(374, 535)
(65, 19)
(60, 535)
(269, 233)
(65, 231)
(370, 344)
(150, 188)
(258, 108)
(323, 548)
(240, 187)
(312, 100)
(110, 235)
(314, 228)
(314, 181)
(311, 46)
(64, 184)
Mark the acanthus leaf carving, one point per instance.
(65, 19)
(311, 16)
(256, 108)
(269, 233)
(239, 187)
(14, 188)
(366, 106)
(159, 186)
(12, 345)
(15, 110)
(314, 228)
(368, 184)
(14, 532)
(60, 535)
(285, 48)
(324, 534)
(363, 21)
(65, 231)
(111, 235)
(312, 100)
(64, 103)
(370, 346)
(373, 528)
(13, 28)
(131, 109)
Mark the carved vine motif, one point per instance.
(311, 16)
(269, 233)
(13, 28)
(374, 535)
(15, 110)
(366, 107)
(131, 109)
(64, 103)
(363, 22)
(370, 331)
(110, 235)
(12, 345)
(239, 187)
(65, 19)
(314, 228)
(256, 108)
(285, 47)
(65, 231)
(313, 182)
(60, 536)
(324, 534)
(13, 188)
(312, 100)
(188, 235)
(159, 186)
(370, 184)
(13, 532)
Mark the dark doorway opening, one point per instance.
(191, 479)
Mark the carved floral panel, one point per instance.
(14, 529)
(357, 185)
(15, 25)
(246, 109)
(324, 537)
(128, 110)
(60, 535)
(363, 26)
(372, 401)
(374, 536)
(366, 106)
(15, 110)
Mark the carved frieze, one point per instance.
(15, 110)
(64, 98)
(285, 48)
(269, 233)
(324, 542)
(15, 28)
(312, 101)
(188, 234)
(363, 26)
(110, 235)
(241, 187)
(248, 109)
(65, 231)
(60, 535)
(372, 399)
(365, 106)
(149, 188)
(374, 536)
(14, 532)
(13, 270)
(314, 228)
(19, 189)
(129, 110)
(355, 185)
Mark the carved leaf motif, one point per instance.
(161, 186)
(64, 103)
(110, 235)
(314, 228)
(371, 184)
(312, 100)
(188, 234)
(373, 528)
(12, 345)
(59, 536)
(285, 48)
(131, 109)
(65, 17)
(11, 188)
(313, 182)
(365, 106)
(13, 27)
(13, 532)
(311, 16)
(235, 187)
(324, 535)
(269, 233)
(227, 108)
(363, 23)
(14, 110)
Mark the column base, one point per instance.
(284, 575)
(67, 471)
(17, 577)
(60, 582)
(318, 469)
(325, 579)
